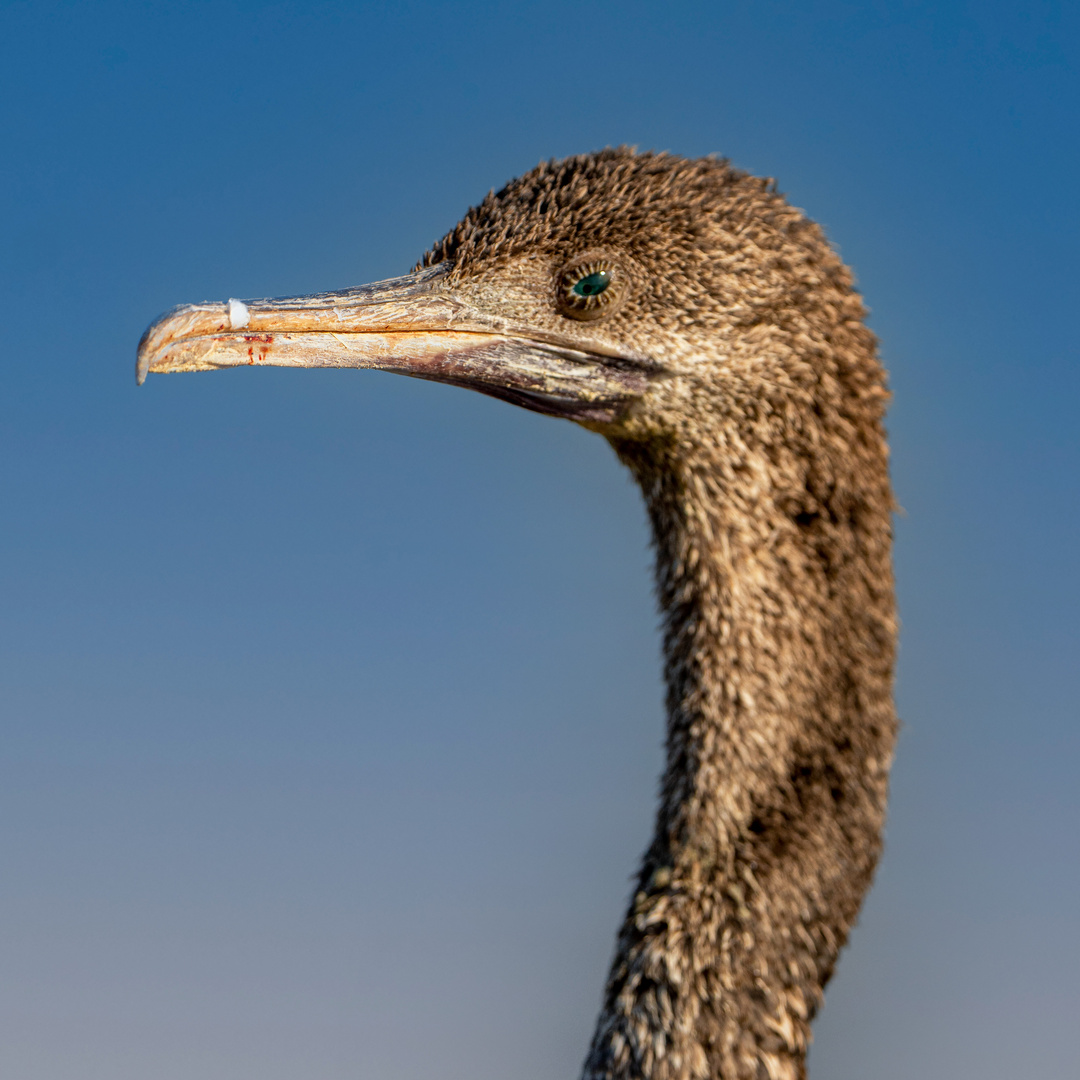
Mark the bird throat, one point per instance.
(779, 641)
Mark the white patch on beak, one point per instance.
(239, 316)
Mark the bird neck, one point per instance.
(778, 641)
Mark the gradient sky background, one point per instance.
(331, 702)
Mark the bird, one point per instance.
(686, 312)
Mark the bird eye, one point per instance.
(593, 284)
(590, 288)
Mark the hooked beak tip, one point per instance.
(142, 361)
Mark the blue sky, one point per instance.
(331, 702)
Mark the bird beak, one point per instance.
(414, 325)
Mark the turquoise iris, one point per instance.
(594, 284)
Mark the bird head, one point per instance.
(633, 293)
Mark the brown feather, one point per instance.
(763, 463)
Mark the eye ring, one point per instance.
(590, 287)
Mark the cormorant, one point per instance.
(684, 311)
